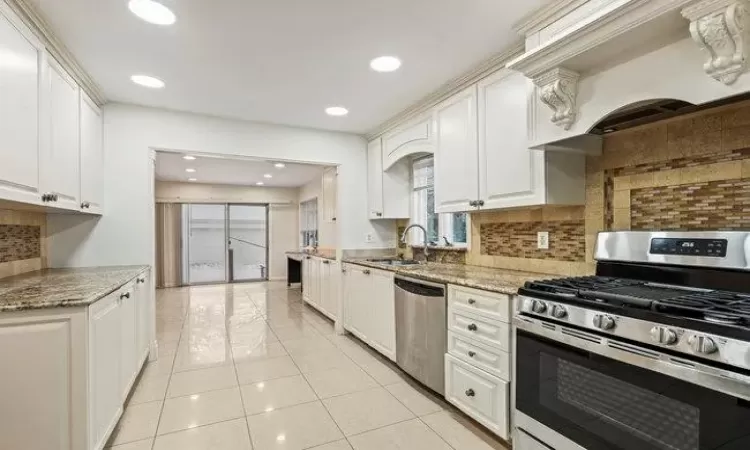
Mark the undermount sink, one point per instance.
(396, 262)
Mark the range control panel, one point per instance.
(689, 247)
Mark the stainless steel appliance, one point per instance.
(421, 336)
(651, 353)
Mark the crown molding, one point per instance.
(484, 69)
(39, 26)
(545, 16)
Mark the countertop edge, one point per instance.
(507, 290)
(84, 302)
(303, 254)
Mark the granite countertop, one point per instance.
(325, 254)
(53, 288)
(485, 278)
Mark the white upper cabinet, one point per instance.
(92, 159)
(329, 191)
(59, 164)
(456, 152)
(509, 173)
(387, 191)
(20, 82)
(414, 138)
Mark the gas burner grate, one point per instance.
(714, 306)
(576, 284)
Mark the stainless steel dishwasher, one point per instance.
(421, 335)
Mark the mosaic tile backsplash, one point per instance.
(19, 242)
(519, 240)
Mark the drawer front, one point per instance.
(491, 359)
(486, 331)
(478, 394)
(496, 306)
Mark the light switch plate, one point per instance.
(542, 240)
(369, 238)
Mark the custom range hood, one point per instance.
(602, 65)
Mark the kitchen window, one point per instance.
(308, 217)
(450, 226)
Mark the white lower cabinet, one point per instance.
(64, 371)
(482, 396)
(320, 289)
(369, 307)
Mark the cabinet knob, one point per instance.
(379, 214)
(125, 295)
(473, 203)
(480, 203)
(472, 354)
(470, 393)
(141, 280)
(366, 272)
(46, 197)
(472, 301)
(325, 261)
(472, 327)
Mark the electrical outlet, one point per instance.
(369, 238)
(542, 240)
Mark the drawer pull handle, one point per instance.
(472, 354)
(472, 301)
(125, 295)
(470, 393)
(472, 327)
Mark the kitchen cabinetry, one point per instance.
(413, 138)
(329, 192)
(478, 375)
(64, 370)
(92, 159)
(46, 140)
(482, 159)
(387, 191)
(320, 288)
(456, 152)
(369, 308)
(59, 163)
(20, 111)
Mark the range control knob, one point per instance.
(702, 344)
(559, 312)
(604, 322)
(663, 335)
(538, 306)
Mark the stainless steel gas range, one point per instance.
(652, 353)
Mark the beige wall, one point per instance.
(283, 216)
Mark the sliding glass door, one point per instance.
(224, 243)
(248, 242)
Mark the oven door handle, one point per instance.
(710, 377)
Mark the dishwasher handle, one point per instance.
(417, 288)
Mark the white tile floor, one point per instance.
(249, 366)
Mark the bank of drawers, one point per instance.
(478, 363)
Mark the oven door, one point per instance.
(580, 386)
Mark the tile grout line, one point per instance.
(239, 390)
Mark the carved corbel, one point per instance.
(558, 89)
(721, 28)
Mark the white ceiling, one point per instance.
(284, 61)
(245, 172)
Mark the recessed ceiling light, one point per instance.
(192, 179)
(259, 183)
(147, 81)
(385, 64)
(279, 165)
(152, 12)
(188, 157)
(268, 175)
(189, 170)
(337, 111)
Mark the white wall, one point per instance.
(125, 232)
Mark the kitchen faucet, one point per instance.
(403, 237)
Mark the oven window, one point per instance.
(658, 420)
(606, 404)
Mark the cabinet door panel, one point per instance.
(105, 342)
(128, 341)
(19, 110)
(358, 295)
(456, 152)
(382, 319)
(330, 292)
(60, 164)
(375, 179)
(509, 173)
(142, 296)
(92, 160)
